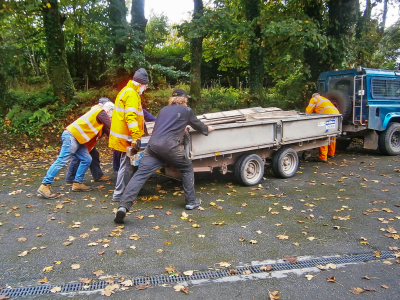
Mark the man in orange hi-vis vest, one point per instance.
(74, 139)
(321, 105)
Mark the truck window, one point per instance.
(385, 88)
(321, 87)
(344, 84)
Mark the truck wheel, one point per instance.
(389, 140)
(285, 163)
(342, 102)
(249, 169)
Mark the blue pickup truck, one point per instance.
(369, 101)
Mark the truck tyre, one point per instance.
(389, 140)
(285, 163)
(249, 169)
(342, 102)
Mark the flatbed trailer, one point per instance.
(244, 141)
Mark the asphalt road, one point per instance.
(349, 206)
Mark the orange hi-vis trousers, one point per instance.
(330, 149)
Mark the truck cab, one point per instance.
(369, 101)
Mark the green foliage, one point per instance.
(220, 99)
(291, 93)
(91, 97)
(31, 98)
(300, 38)
(389, 48)
(157, 32)
(3, 92)
(19, 118)
(155, 100)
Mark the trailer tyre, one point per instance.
(249, 169)
(389, 140)
(341, 101)
(285, 163)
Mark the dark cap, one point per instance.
(180, 93)
(103, 100)
(141, 76)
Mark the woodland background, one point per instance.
(57, 57)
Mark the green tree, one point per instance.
(252, 10)
(86, 25)
(157, 32)
(196, 51)
(389, 48)
(136, 58)
(119, 40)
(57, 63)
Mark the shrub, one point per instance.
(19, 119)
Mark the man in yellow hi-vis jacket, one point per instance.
(127, 126)
(322, 105)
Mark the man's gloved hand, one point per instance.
(136, 145)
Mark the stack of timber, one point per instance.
(239, 116)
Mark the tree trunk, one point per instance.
(138, 19)
(257, 51)
(138, 25)
(312, 55)
(342, 21)
(196, 52)
(61, 80)
(384, 14)
(118, 28)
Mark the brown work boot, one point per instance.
(45, 191)
(103, 178)
(80, 187)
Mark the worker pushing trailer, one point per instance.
(245, 140)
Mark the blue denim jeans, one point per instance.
(94, 167)
(69, 147)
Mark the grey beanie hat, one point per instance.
(141, 76)
(103, 100)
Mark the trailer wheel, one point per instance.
(389, 140)
(341, 101)
(249, 169)
(285, 163)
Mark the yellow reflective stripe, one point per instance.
(77, 127)
(133, 124)
(122, 94)
(119, 109)
(121, 136)
(323, 101)
(123, 110)
(138, 112)
(327, 107)
(88, 123)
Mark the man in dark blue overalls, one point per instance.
(166, 146)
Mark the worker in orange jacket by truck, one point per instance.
(322, 105)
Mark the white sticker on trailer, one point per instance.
(331, 124)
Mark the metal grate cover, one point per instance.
(162, 279)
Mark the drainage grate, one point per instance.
(162, 279)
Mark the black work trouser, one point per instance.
(94, 167)
(153, 158)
